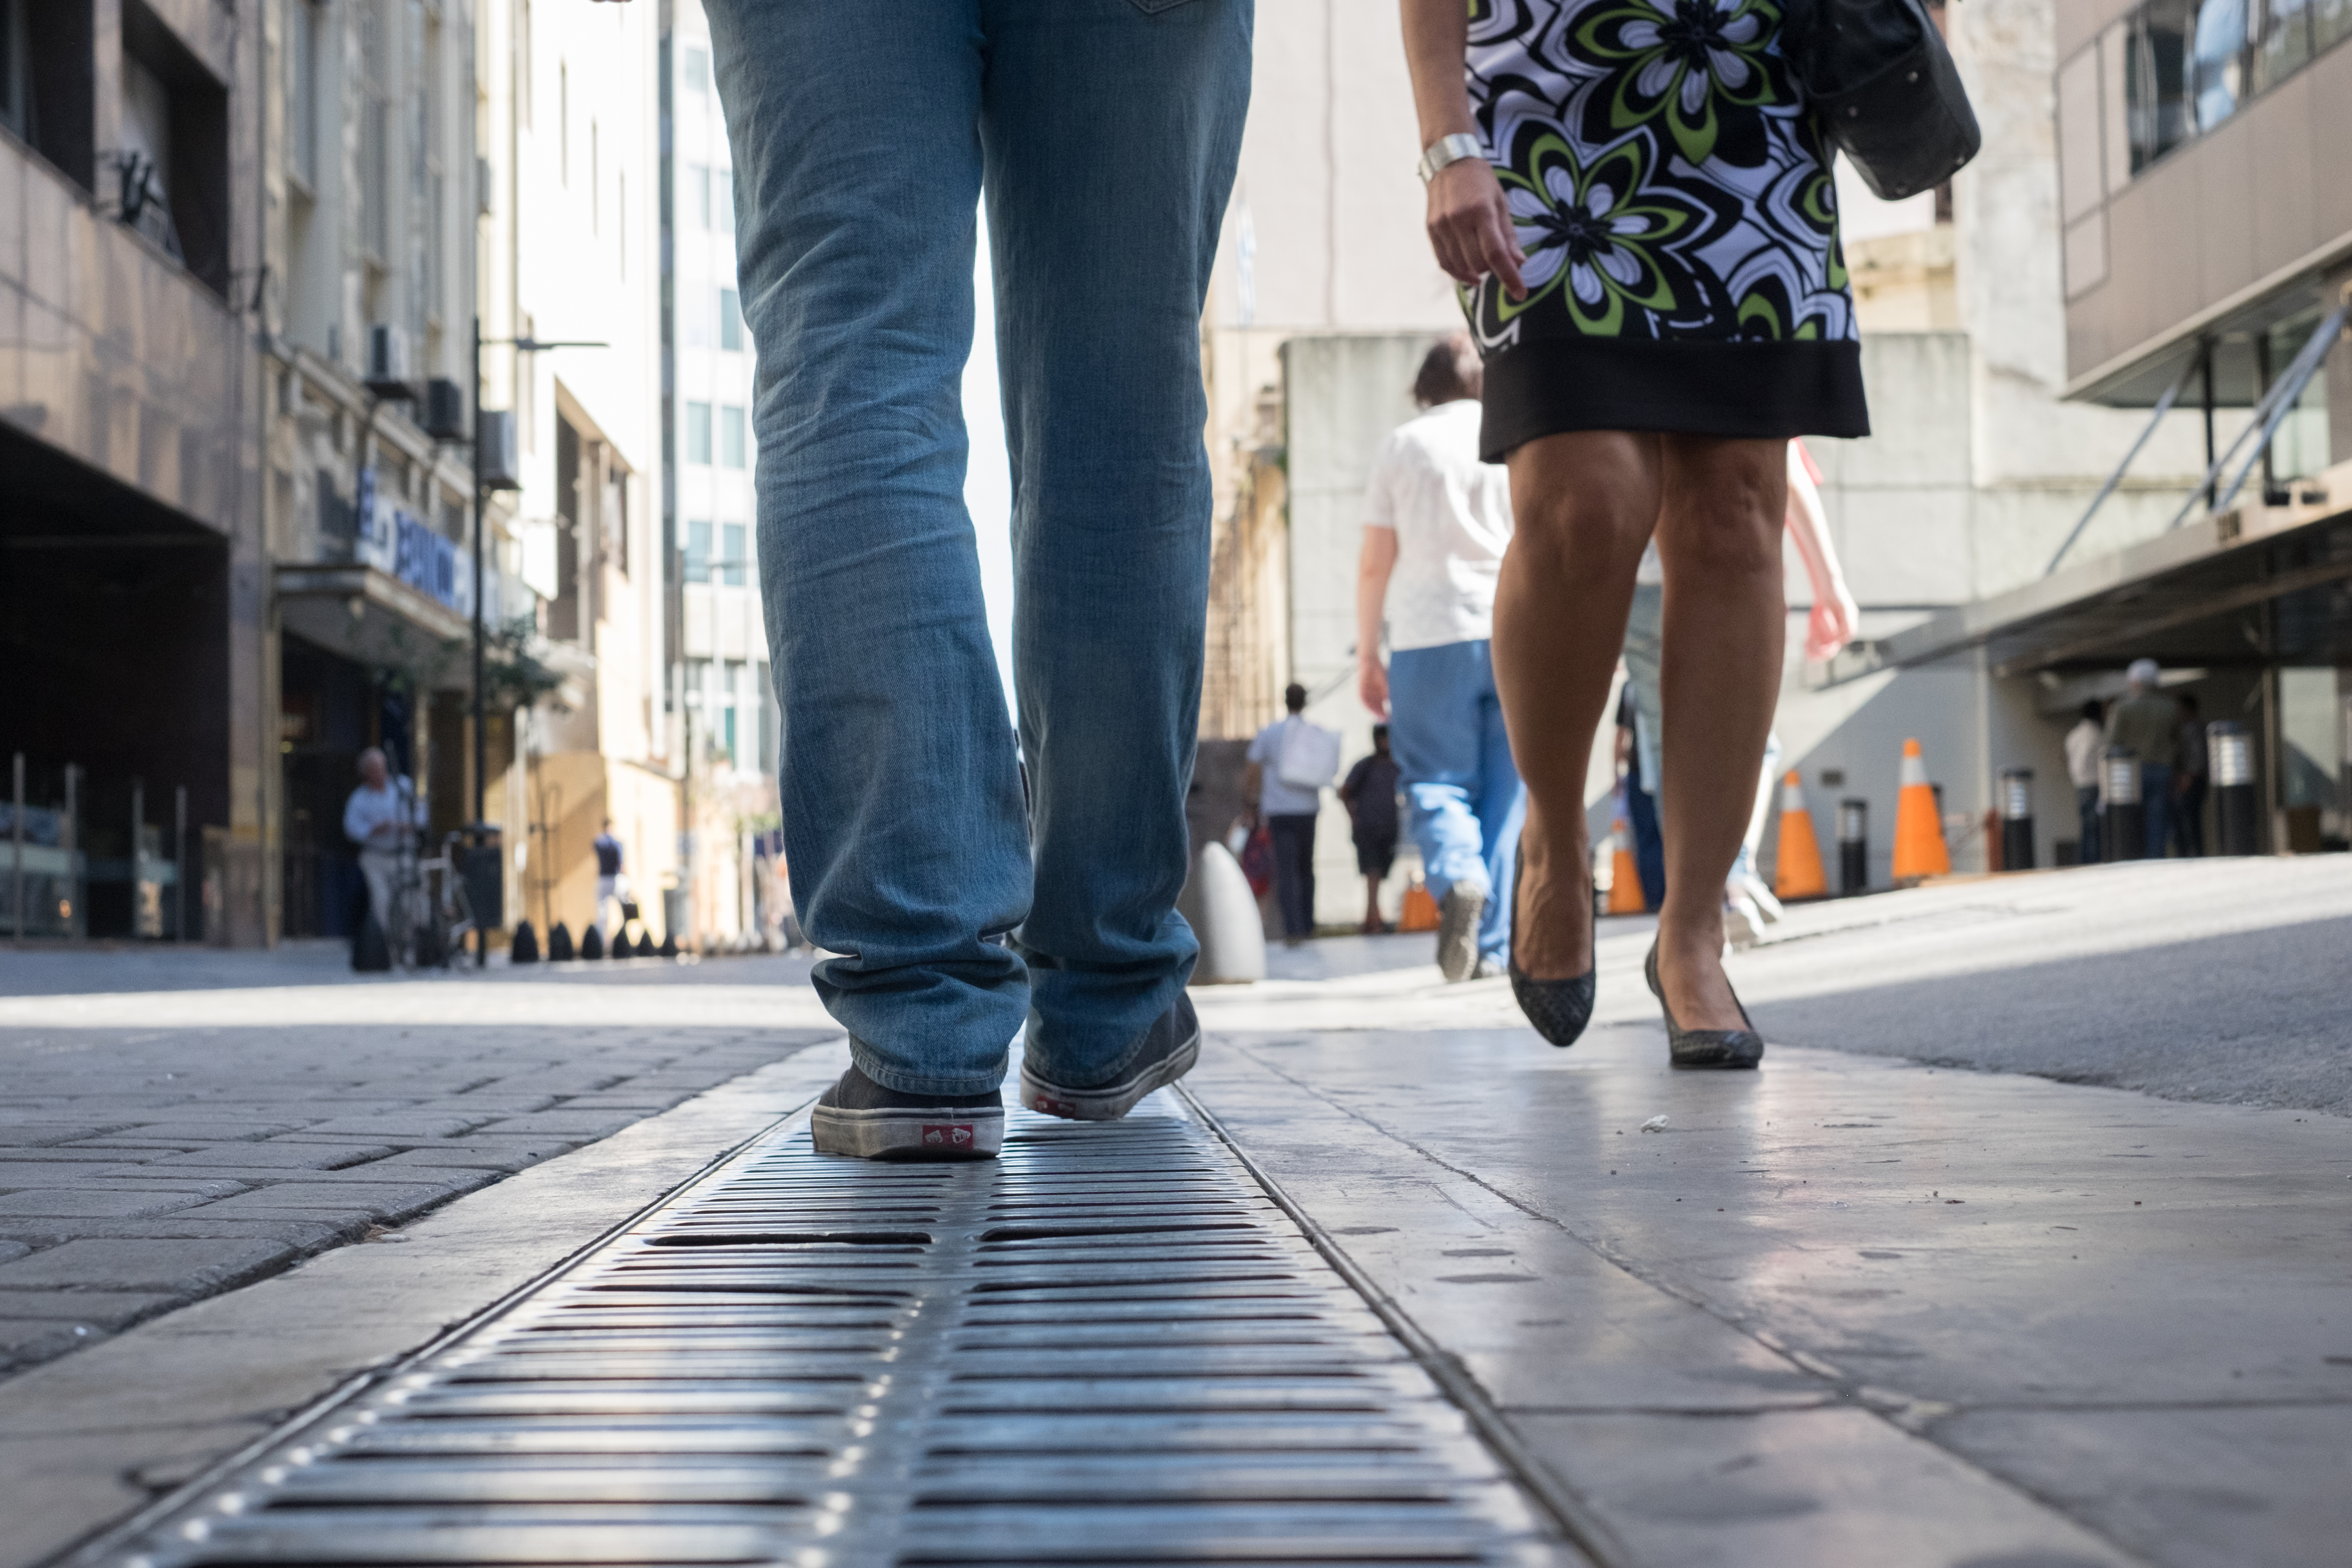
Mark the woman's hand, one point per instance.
(1470, 227)
(1832, 625)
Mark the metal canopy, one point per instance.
(2251, 586)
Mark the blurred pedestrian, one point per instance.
(1105, 136)
(1288, 765)
(381, 817)
(1436, 522)
(1370, 793)
(2190, 769)
(2147, 724)
(2086, 745)
(612, 882)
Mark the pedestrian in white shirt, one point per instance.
(2087, 744)
(1437, 521)
(1289, 763)
(381, 817)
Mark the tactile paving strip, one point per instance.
(1109, 1346)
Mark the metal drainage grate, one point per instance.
(1109, 1346)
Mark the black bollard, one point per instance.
(592, 942)
(525, 949)
(2017, 819)
(668, 946)
(621, 948)
(1853, 845)
(2123, 827)
(559, 943)
(2235, 812)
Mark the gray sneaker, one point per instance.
(860, 1117)
(1457, 929)
(1169, 1047)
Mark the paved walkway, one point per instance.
(1871, 1304)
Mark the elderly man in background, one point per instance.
(1437, 521)
(381, 817)
(2147, 724)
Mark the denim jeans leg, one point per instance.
(1111, 131)
(1294, 872)
(1437, 737)
(2086, 808)
(857, 170)
(1502, 807)
(2155, 808)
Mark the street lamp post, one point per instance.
(525, 345)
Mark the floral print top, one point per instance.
(1666, 179)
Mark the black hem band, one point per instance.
(1761, 390)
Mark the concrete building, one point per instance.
(2207, 263)
(133, 576)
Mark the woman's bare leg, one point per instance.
(1583, 505)
(1719, 540)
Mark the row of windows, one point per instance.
(699, 324)
(2191, 64)
(729, 566)
(732, 452)
(711, 197)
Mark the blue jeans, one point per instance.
(2155, 808)
(1445, 730)
(1105, 134)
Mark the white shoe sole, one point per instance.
(1109, 1101)
(1458, 931)
(910, 1133)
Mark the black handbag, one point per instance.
(1883, 86)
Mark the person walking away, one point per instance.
(1657, 324)
(381, 817)
(2190, 778)
(1370, 793)
(612, 882)
(2086, 743)
(1105, 138)
(1641, 806)
(1748, 902)
(1436, 523)
(1289, 763)
(2147, 724)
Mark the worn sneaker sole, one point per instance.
(1109, 1101)
(910, 1133)
(1457, 931)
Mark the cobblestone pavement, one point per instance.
(175, 1125)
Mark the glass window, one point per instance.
(2156, 82)
(723, 199)
(302, 90)
(702, 193)
(733, 566)
(730, 321)
(697, 553)
(2331, 21)
(697, 433)
(694, 319)
(2285, 44)
(2220, 64)
(2300, 448)
(697, 70)
(730, 436)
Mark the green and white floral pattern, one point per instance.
(1666, 179)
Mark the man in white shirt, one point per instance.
(1437, 521)
(1289, 763)
(2086, 743)
(381, 817)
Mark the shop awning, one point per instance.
(2254, 585)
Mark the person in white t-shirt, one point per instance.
(1289, 762)
(1437, 521)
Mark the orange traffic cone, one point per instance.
(1918, 827)
(1624, 871)
(1798, 873)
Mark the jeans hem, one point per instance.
(875, 1067)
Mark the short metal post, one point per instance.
(69, 837)
(16, 822)
(2235, 810)
(2124, 830)
(138, 846)
(180, 861)
(1853, 845)
(2017, 819)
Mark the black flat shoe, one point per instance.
(1734, 1048)
(1558, 1009)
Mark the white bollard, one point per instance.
(1223, 913)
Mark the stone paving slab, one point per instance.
(243, 1127)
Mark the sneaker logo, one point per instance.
(947, 1134)
(1053, 1107)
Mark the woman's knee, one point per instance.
(1724, 504)
(1586, 495)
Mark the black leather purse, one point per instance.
(1878, 76)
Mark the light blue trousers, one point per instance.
(1445, 730)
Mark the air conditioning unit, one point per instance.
(494, 458)
(445, 410)
(387, 363)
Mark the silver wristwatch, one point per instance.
(1448, 149)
